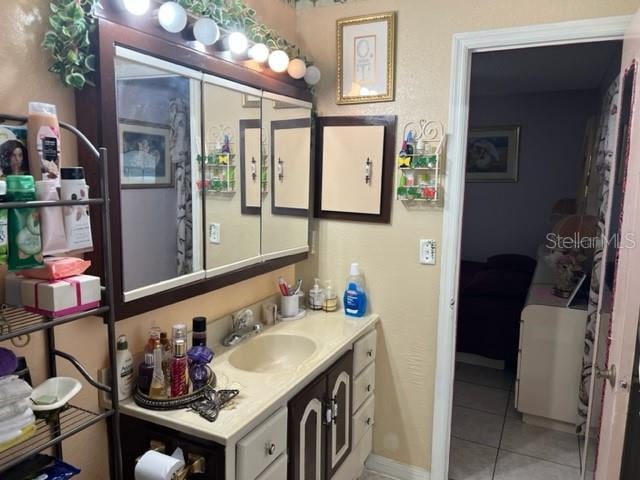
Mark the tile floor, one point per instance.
(489, 441)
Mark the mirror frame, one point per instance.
(245, 209)
(97, 116)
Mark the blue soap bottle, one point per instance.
(355, 298)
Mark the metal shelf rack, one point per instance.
(17, 322)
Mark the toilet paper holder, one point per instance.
(195, 463)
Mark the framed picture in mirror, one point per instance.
(251, 170)
(144, 156)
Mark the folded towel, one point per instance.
(12, 390)
(17, 437)
(18, 422)
(14, 409)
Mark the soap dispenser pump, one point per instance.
(316, 296)
(355, 298)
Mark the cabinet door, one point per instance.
(339, 390)
(251, 166)
(307, 432)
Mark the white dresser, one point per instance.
(549, 355)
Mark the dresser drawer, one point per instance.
(276, 471)
(363, 386)
(364, 352)
(362, 420)
(262, 446)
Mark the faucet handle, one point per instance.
(242, 318)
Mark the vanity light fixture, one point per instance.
(136, 7)
(206, 31)
(312, 75)
(259, 52)
(278, 61)
(297, 68)
(172, 17)
(238, 43)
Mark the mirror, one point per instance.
(214, 178)
(232, 177)
(158, 112)
(286, 123)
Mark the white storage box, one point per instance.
(56, 298)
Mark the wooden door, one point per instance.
(626, 301)
(307, 432)
(339, 391)
(352, 169)
(291, 166)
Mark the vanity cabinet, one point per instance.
(320, 424)
(138, 435)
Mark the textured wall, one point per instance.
(515, 217)
(404, 293)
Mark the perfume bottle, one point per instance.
(179, 384)
(158, 389)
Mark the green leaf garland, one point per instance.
(72, 21)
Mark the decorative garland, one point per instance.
(72, 22)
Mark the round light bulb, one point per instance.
(297, 68)
(206, 31)
(238, 43)
(172, 17)
(278, 61)
(259, 52)
(312, 76)
(137, 7)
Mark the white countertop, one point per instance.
(262, 393)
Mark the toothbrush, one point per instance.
(298, 287)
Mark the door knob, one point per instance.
(271, 449)
(609, 374)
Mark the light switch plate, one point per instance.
(427, 252)
(214, 233)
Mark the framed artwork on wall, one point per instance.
(492, 154)
(144, 155)
(366, 59)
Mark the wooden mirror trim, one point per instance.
(96, 114)
(386, 195)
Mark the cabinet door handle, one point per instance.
(369, 388)
(369, 421)
(271, 448)
(254, 173)
(280, 169)
(328, 413)
(334, 410)
(367, 171)
(370, 352)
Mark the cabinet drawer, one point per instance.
(262, 446)
(276, 471)
(364, 352)
(362, 420)
(363, 386)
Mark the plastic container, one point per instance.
(25, 244)
(77, 224)
(199, 333)
(43, 142)
(316, 296)
(54, 240)
(355, 297)
(54, 393)
(330, 303)
(124, 366)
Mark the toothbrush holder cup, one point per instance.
(289, 305)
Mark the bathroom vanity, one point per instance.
(305, 408)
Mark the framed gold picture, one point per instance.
(366, 58)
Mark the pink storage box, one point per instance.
(56, 298)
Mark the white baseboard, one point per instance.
(397, 470)
(479, 360)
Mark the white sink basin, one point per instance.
(272, 353)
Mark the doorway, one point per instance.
(464, 46)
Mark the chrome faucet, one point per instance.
(243, 328)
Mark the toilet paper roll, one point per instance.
(157, 466)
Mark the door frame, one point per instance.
(464, 46)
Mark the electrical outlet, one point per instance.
(427, 252)
(214, 233)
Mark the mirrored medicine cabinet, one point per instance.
(210, 177)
